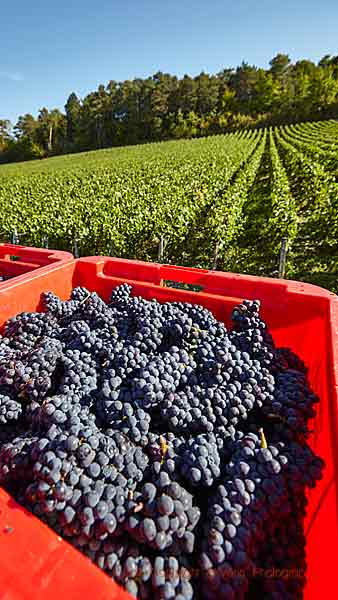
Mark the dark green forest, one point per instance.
(164, 107)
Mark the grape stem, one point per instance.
(263, 438)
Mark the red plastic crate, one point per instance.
(18, 261)
(34, 562)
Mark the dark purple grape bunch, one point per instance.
(164, 517)
(250, 332)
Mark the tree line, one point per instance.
(164, 107)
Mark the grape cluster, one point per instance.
(10, 409)
(168, 449)
(292, 403)
(143, 576)
(164, 516)
(258, 491)
(200, 462)
(284, 551)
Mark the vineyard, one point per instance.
(221, 202)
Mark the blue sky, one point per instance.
(49, 49)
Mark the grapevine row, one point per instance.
(224, 222)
